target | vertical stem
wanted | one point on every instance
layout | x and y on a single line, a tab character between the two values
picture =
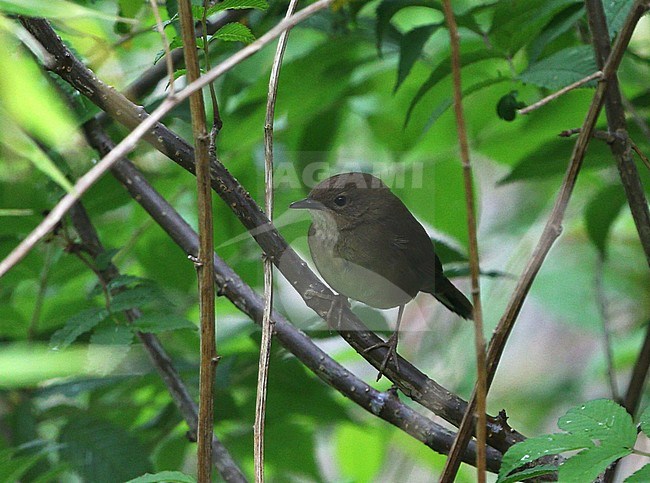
479	340
205	267
267	322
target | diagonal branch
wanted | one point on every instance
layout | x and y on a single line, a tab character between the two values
409	379
552	229
383	405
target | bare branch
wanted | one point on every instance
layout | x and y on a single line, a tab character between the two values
267	322
453	461
204	266
542	102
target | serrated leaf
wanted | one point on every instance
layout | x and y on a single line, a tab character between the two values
137	297
600	214
616	12
562	68
589	463
640	476
166	476
156	323
529	473
238	5
644	421
410	49
603	420
76	325
235	32
443	69
534	448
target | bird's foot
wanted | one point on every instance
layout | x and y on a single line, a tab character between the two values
335	312
391	353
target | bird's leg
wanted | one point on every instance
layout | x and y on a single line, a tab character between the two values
390	344
337	302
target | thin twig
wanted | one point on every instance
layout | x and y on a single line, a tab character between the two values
204	266
267	322
601	299
551	231
216	117
129	142
479	340
598	75
168	55
640	153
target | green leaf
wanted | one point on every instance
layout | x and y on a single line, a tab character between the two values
105	258
166	476
561	23
589	463
238	5
57	9
101	451
410	49
533	448
551	159
601	212
15	464
114	339
387	10
15	140
156	323
562	68
443	69
616	12
235	32
76	325
441	108
533	472
120	335
640	476
137	297
518	22
644	420
603	420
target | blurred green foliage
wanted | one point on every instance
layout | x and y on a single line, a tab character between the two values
365	87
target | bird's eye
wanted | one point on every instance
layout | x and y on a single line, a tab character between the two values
340	200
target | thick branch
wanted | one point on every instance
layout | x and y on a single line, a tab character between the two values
384	405
409	379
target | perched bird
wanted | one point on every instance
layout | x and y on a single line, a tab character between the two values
369	247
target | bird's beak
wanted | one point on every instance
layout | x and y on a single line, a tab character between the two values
306	204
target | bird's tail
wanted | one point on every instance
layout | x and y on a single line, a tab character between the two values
452	298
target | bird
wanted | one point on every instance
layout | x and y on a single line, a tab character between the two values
369	247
